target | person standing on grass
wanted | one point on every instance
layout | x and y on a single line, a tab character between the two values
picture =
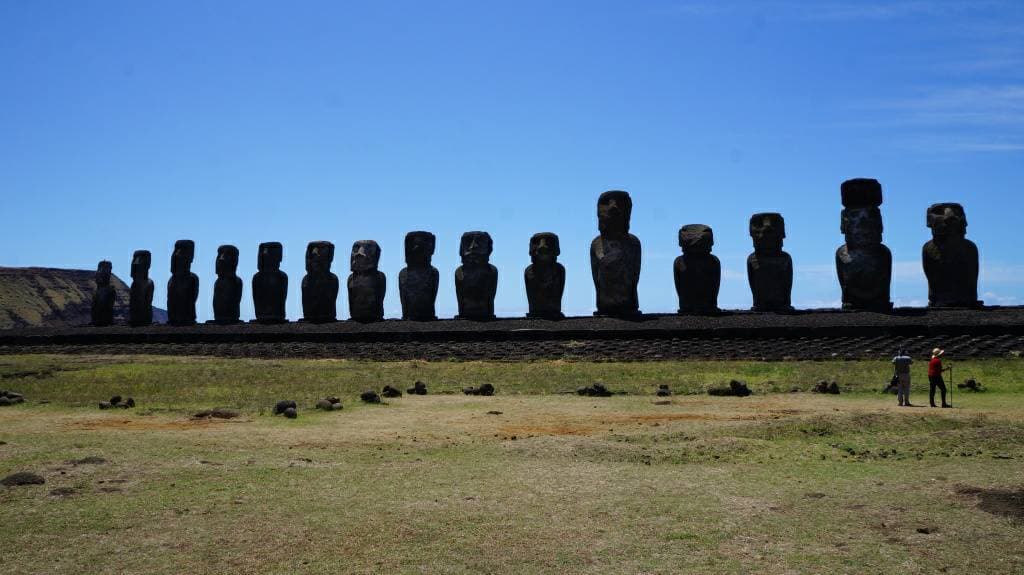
902	363
935	377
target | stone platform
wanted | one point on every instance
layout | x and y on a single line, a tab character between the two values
811	334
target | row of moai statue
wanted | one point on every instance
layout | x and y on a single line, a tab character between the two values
863	265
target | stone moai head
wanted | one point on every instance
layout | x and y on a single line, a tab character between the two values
696	239
270	256
227	261
319	256
861	219
103	271
141	260
768	230
181	259
947	220
365	256
419	248
544	248
476	247
614	209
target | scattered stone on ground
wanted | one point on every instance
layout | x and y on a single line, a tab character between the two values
926	530
218	413
485	389
971	385
22	478
663	390
291	413
595	390
369	396
418	388
494	412
329	404
284	404
11	398
90	460
826	386
117	401
389	391
735	388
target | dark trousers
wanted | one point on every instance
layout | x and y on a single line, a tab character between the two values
933	382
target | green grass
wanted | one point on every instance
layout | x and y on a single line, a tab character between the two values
774	483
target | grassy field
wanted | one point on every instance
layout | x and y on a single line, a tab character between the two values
780	482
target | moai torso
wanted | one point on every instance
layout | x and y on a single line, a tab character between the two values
476	280
104	296
270	284
863	263
183	287
545	278
615	257
697	272
320	286
140	296
418	281
227	290
950	260
366	284
769	269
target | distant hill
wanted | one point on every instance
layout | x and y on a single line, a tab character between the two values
32	297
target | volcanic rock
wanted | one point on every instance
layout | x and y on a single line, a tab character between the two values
22	478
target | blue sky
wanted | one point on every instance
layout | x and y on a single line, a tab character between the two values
128	125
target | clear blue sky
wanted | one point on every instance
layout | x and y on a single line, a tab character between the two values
127	125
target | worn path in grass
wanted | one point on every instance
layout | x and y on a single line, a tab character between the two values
773	483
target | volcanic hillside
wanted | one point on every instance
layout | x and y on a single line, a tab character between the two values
54	297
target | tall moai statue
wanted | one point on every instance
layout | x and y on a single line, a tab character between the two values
697	272
545	277
183	287
366	283
418	281
863	263
227	290
104	296
476	280
950	259
615	257
270	284
769	269
140	296
320	286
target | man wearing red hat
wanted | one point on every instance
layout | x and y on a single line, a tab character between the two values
935	377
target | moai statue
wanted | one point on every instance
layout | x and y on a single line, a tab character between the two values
476	280
697	272
615	257
270	284
950	259
140	297
417	282
769	269
863	263
320	286
183	287
104	296
545	278
366	284
227	290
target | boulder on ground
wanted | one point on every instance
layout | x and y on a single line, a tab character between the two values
291	413
663	391
329	404
389	391
280	406
594	390
418	388
6	401
369	396
825	386
736	388
485	389
11	398
105	405
22	478
971	385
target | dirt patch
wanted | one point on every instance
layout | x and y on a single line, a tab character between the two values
532	430
1002	502
143	425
